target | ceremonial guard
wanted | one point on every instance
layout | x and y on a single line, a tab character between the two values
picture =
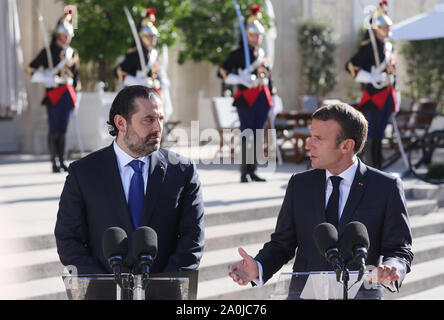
252	98
144	65
374	67
60	77
141	65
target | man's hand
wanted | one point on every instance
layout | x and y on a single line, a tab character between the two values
387	274
245	270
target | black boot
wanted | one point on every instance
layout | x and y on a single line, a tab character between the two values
252	172
61	151
55	168
253	167
52	147
244	166
244	174
377	154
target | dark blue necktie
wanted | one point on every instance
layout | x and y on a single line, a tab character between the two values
136	193
332	211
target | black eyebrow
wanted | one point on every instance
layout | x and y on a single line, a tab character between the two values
151	116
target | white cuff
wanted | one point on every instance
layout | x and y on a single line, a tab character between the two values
232	79
259	281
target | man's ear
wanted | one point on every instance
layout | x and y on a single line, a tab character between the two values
120	123
348	145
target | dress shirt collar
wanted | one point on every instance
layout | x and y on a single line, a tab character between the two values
348	175
124	158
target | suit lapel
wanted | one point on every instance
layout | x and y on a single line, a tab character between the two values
319	196
357	190
115	192
156	175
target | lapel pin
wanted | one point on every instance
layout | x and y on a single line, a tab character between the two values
163	168
361	184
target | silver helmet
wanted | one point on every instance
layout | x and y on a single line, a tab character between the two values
147	25
64	25
254	25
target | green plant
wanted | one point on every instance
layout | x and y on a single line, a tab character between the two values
103	32
435	171
317	49
209	29
425	70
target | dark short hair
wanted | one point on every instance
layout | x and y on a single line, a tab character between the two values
352	122
123	104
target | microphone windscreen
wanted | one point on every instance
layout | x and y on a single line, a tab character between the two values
145	242
355	234
325	236
114	242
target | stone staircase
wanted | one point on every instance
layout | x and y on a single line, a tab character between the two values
250	231
229	225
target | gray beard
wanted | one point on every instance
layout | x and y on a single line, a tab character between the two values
139	146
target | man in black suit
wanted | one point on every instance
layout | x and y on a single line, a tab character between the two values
99	189
367	195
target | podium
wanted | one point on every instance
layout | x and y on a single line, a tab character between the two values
161	286
323	285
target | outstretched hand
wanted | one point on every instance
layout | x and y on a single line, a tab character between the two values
387	274
245	270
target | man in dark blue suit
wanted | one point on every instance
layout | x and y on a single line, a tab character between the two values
367	195
99	193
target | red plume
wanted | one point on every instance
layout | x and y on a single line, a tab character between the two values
150	11
383	2
255	9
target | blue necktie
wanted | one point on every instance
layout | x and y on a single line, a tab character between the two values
136	193
332	211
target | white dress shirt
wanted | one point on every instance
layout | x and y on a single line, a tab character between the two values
125	170
344	187
344	190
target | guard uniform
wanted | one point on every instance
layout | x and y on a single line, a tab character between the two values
60	95
252	97
377	76
130	71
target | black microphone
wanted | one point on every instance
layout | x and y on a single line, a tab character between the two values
115	249
357	243
326	239
145	249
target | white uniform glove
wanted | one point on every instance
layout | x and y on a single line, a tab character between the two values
44	77
243	79
135	81
378	80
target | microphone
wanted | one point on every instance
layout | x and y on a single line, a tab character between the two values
115	249
145	249
357	243
326	239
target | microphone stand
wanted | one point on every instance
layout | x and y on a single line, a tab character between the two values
345	279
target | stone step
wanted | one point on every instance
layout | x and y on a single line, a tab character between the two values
436	293
428	224
421	207
429	252
421	191
220	241
246	222
214	266
243	212
231	231
33	289
215	263
428	248
423	276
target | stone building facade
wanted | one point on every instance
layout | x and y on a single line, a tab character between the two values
193	85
